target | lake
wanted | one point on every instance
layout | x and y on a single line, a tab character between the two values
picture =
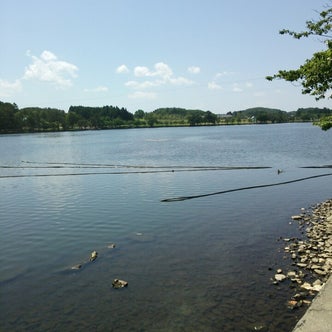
201	264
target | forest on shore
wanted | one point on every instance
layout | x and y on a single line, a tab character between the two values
36	119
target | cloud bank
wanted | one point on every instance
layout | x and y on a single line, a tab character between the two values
48	68
145	78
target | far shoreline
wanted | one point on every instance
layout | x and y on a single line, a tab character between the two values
38	131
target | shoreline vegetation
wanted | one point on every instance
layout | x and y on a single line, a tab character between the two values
36	119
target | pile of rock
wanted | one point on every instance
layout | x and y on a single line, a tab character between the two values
312	255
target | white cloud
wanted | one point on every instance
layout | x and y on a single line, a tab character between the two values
48	68
249	85
123	69
236	88
97	89
132	84
143	85
9	88
143	95
214	86
162	70
162	73
194	70
223	74
48	56
181	81
141	71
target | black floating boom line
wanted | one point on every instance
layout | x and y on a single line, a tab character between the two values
142	171
77	174
322	166
183	198
91	165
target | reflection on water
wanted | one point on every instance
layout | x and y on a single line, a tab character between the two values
197	265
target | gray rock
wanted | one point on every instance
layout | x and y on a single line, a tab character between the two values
93	256
117	283
297	217
280	277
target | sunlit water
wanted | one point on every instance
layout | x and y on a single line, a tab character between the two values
203	264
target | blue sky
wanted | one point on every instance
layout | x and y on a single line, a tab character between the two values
145	54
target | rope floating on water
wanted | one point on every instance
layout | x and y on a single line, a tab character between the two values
131	169
89	165
183	198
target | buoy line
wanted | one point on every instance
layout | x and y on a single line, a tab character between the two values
131	169
183	198
124	172
97	165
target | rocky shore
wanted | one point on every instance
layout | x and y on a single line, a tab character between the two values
311	255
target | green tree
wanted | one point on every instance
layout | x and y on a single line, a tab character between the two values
325	123
315	75
8	119
151	119
194	119
139	114
209	117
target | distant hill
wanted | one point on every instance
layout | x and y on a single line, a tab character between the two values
192	117
176	112
263	115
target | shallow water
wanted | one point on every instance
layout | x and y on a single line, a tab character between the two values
195	265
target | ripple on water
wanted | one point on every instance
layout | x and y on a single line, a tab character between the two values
198	265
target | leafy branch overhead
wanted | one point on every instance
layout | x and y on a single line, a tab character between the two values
315	75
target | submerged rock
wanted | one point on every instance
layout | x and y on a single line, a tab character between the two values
93	256
76	267
280	277
118	283
293	304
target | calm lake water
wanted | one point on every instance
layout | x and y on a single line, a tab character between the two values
202	264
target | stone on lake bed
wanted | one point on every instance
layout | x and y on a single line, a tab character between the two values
76	267
317	282
297	217
280	277
314	267
117	283
93	256
291	274
317	288
320	272
306	286
292	304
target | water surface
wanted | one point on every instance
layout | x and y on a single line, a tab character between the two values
195	265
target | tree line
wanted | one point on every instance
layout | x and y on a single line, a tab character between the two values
270	115
36	119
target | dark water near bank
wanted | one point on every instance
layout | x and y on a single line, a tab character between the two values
195	265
